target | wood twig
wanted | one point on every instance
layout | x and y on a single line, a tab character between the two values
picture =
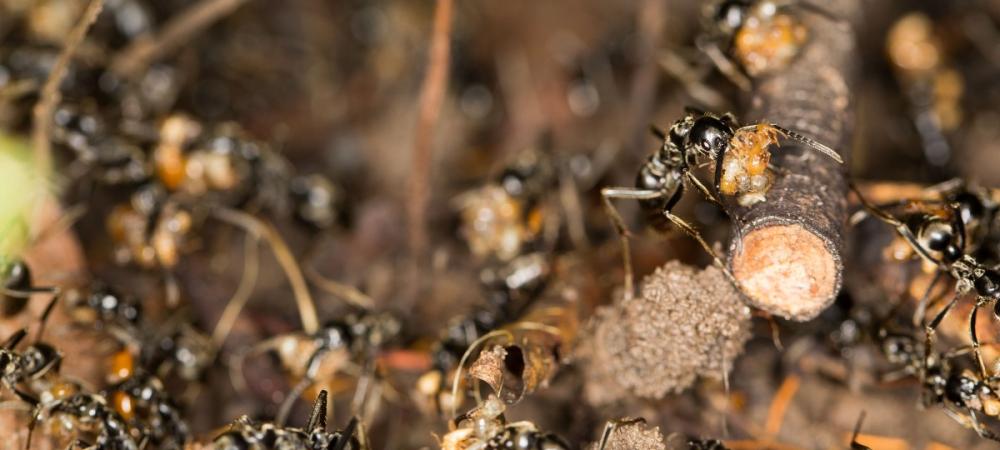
787	253
50	95
143	51
431	97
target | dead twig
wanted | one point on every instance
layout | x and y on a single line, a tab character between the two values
144	51
51	96
787	250
431	97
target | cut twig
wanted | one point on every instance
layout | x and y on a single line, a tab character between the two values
787	250
431	97
145	50
51	96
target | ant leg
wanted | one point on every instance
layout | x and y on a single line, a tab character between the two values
919	314
346	435
981	430
616	219
855	445
612	425
901	228
44	319
929	330
722	62
258	227
317	418
237	361
312	367
975	342
286	405
14	339
704	190
691	231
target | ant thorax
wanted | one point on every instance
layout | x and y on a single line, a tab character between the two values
745	166
767	40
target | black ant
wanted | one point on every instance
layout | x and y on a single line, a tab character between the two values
143	403
244	433
510	289
699	138
318	358
754	37
936	231
509	216
34	362
85	413
962	393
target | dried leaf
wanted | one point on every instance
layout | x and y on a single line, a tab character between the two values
489	367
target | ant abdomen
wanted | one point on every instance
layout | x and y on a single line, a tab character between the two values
655	176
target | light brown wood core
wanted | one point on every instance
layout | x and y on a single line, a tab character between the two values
787	271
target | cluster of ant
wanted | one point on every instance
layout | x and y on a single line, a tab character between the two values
177	174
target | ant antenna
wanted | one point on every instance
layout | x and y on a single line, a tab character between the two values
658	132
317	418
810	142
15	339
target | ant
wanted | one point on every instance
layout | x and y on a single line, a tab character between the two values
750	38
506	217
34	363
143	403
317	358
484	427
244	433
936	231
962	393
701	138
509	289
85	413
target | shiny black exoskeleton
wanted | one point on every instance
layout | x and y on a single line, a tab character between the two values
517	438
316	202
151	410
245	434
90	413
38	359
965	394
103	306
16	284
697	137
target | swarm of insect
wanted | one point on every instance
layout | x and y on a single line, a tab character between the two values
936	232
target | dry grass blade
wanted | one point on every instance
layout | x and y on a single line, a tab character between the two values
50	96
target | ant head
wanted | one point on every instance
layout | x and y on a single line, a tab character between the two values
316	201
942	238
988	285
709	136
729	15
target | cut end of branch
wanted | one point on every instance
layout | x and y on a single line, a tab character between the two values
787	270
